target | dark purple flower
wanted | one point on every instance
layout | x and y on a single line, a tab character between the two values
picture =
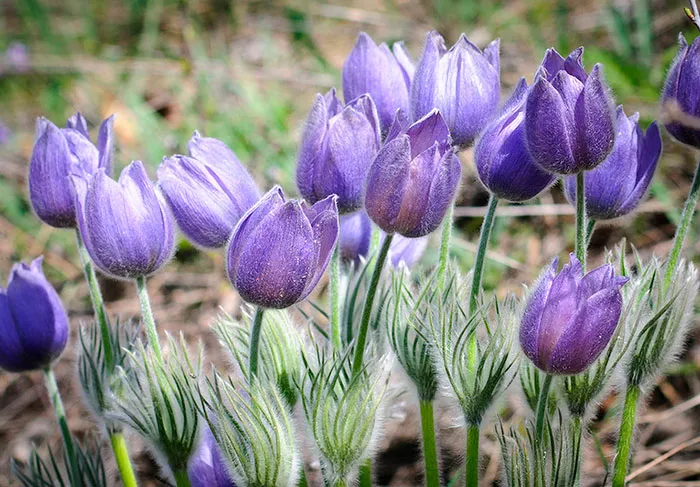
126	226
569	318
59	153
413	180
374	70
569	115
338	146
209	194
616	186
355	236
280	249
33	323
206	466
502	160
682	87
463	83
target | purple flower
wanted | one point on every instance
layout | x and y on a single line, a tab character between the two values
682	87
502	160
280	249
413	180
126	226
569	318
207	194
569	115
463	83
374	70
33	323
616	186
338	146
355	236
206	465
59	153
407	251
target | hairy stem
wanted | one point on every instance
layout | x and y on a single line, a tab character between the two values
148	320
181	478
121	453
445	244
484	237
335	331
624	442
57	403
430	454
589	231
472	467
255	343
581	228
366	473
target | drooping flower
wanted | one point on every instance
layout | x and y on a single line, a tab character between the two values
126	226
209	194
206	466
374	70
280	249
682	88
338	146
616	186
463	83
569	318
33	324
502	160
569	115
413	180
59	153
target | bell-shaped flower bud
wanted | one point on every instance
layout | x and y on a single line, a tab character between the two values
680	93
463	83
569	318
207	467
280	249
413	180
207	196
502	160
569	115
615	187
33	324
58	154
338	146
126	226
374	70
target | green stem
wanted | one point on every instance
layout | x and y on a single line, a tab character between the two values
576	441
581	218
181	479
303	481
335	332
149	321
97	301
445	244
430	454
542	409
589	231
121	453
682	230
255	343
57	402
484	237
366	473
624	442
472	467
367	310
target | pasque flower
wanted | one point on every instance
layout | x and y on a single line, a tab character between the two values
569	115
502	160
33	323
206	466
374	70
207	193
57	154
615	187
126	226
463	83
280	249
682	88
413	180
338	146
569	318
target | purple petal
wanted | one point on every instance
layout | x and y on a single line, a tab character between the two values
13	357
649	153
552	63
404	60
84	155
311	147
354	236
427	131
492	54
78	122
532	317
325	236
105	143
574	65
387	181
424	80
407	251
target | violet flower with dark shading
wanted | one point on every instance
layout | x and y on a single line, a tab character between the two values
616	186
355	236
33	324
206	466
682	88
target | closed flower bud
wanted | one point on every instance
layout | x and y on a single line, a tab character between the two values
463	83
125	225
207	196
206	467
569	115
374	70
338	146
569	318
413	180
59	153
280	249
33	323
501	156
355	236
682	89
616	186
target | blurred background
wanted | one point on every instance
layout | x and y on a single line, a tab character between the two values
246	72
